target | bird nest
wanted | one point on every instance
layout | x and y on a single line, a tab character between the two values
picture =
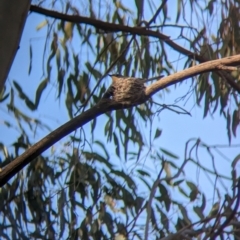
129	91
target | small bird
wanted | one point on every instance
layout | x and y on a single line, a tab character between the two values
117	77
127	90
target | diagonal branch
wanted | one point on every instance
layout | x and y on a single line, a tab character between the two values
106	105
213	65
30	154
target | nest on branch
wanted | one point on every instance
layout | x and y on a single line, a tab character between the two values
127	91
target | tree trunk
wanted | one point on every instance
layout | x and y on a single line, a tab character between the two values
12	19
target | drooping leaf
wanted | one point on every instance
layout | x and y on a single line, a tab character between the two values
42	86
235	121
41	25
157	133
30	59
169	153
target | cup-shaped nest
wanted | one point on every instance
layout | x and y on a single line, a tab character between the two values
129	91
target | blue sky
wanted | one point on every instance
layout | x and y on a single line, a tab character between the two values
177	129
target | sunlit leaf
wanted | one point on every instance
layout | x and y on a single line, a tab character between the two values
41	25
179	8
215	209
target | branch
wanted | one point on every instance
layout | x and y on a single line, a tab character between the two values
113	27
30	154
192	71
230	217
106	105
141	31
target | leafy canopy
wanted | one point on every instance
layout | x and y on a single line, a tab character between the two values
108	181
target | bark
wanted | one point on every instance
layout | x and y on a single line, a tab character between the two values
13	14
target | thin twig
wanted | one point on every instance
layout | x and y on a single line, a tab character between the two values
230	217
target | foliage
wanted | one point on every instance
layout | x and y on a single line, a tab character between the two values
102	188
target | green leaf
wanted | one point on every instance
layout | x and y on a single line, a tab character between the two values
199	212
103	148
194	190
181	190
235	161
235	121
178	182
60	79
193	195
30	58
146	183
2	99
139	4
228	126
164	196
169	153
117	148
184	214
203	203
210	6
163	190
143	173
157	133
153	218
164	218
139	201
108	130
24	97
214	209
39	91
179	8
206	104
192	186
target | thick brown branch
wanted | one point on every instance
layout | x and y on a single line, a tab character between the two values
113	27
231	216
30	154
102	107
190	72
